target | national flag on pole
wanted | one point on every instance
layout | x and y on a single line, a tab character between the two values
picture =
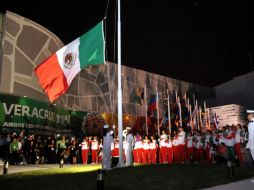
176	113
164	116
138	95
216	120
57	72
207	121
184	103
185	115
194	116
152	105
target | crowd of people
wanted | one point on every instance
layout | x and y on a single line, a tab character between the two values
36	149
182	146
192	146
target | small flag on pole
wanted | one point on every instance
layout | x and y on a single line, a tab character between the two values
216	120
152	106
138	95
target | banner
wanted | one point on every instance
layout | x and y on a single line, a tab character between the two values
35	116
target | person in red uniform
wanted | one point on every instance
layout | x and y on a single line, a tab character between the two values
190	147
198	146
170	150
85	150
153	150
163	148
208	147
175	143
182	145
100	152
237	145
146	147
95	149
115	148
135	153
139	150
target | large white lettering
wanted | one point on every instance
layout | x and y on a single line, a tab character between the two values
25	111
35	113
46	116
40	113
8	111
17	110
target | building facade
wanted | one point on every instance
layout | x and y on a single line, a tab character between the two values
25	44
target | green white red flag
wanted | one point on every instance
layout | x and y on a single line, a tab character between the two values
57	72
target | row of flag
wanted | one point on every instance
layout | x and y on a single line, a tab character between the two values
180	112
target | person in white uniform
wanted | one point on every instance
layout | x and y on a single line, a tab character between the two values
107	141
250	144
129	147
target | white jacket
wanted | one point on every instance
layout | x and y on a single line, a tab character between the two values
250	143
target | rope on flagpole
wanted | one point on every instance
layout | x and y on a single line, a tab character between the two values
106	11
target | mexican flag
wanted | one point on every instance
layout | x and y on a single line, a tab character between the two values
57	72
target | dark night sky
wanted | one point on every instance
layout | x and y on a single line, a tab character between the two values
201	41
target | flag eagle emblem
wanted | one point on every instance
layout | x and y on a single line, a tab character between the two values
69	60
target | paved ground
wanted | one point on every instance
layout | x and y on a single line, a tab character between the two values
24	168
247	184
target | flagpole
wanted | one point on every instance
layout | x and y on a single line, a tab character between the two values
200	117
176	97
205	113
197	115
185	99
194	101
180	112
146	108
191	122
119	92
157	107
169	118
208	117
